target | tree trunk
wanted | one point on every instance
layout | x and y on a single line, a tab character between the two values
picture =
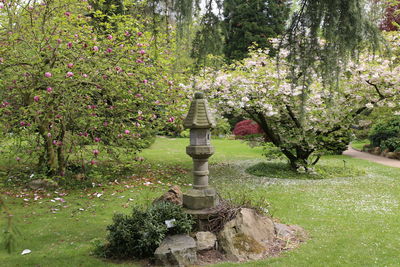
50	155
61	151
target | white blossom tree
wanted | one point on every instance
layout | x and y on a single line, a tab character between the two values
302	122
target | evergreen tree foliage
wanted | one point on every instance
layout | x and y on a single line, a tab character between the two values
252	21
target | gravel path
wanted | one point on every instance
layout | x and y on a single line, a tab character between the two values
363	155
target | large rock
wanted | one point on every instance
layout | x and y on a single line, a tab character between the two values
205	240
174	195
247	237
176	250
391	155
290	232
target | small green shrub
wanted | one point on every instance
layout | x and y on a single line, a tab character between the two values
138	235
385	130
335	143
393	144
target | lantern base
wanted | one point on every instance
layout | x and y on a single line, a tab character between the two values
196	199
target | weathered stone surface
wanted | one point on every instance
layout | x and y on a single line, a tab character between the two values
42	184
247	237
391	155
367	148
376	151
290	232
195	199
174	195
176	250
205	240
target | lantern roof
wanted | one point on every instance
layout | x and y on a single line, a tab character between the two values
199	115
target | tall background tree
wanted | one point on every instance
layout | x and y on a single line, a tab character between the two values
252	21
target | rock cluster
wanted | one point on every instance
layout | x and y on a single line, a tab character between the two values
249	236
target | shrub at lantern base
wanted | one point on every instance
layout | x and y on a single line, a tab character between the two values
138	235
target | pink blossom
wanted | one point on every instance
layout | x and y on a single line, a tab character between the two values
121	45
70	74
127	33
59	41
138	95
67	14
5	104
22	123
95	48
95	152
139	44
130	74
1	60
127	132
1	5
48	74
105	124
170	82
145	81
70	65
97	139
139	34
171	119
118	69
142	52
109	37
69	44
36	98
84	75
48	134
139	60
18	159
76	35
92	162
54	142
49	89
109	50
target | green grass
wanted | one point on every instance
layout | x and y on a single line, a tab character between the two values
352	220
359	144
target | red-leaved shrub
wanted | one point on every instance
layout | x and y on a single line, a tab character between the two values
247	127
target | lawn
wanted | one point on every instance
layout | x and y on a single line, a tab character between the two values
352	220
359	144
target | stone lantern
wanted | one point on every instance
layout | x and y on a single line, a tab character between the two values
200	122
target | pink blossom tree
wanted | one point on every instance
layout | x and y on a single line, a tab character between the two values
68	87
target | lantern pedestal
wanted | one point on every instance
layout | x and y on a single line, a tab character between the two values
199	199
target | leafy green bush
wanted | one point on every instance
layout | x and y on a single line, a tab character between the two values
393	144
389	128
335	143
139	235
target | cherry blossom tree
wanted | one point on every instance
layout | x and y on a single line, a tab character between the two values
302	123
